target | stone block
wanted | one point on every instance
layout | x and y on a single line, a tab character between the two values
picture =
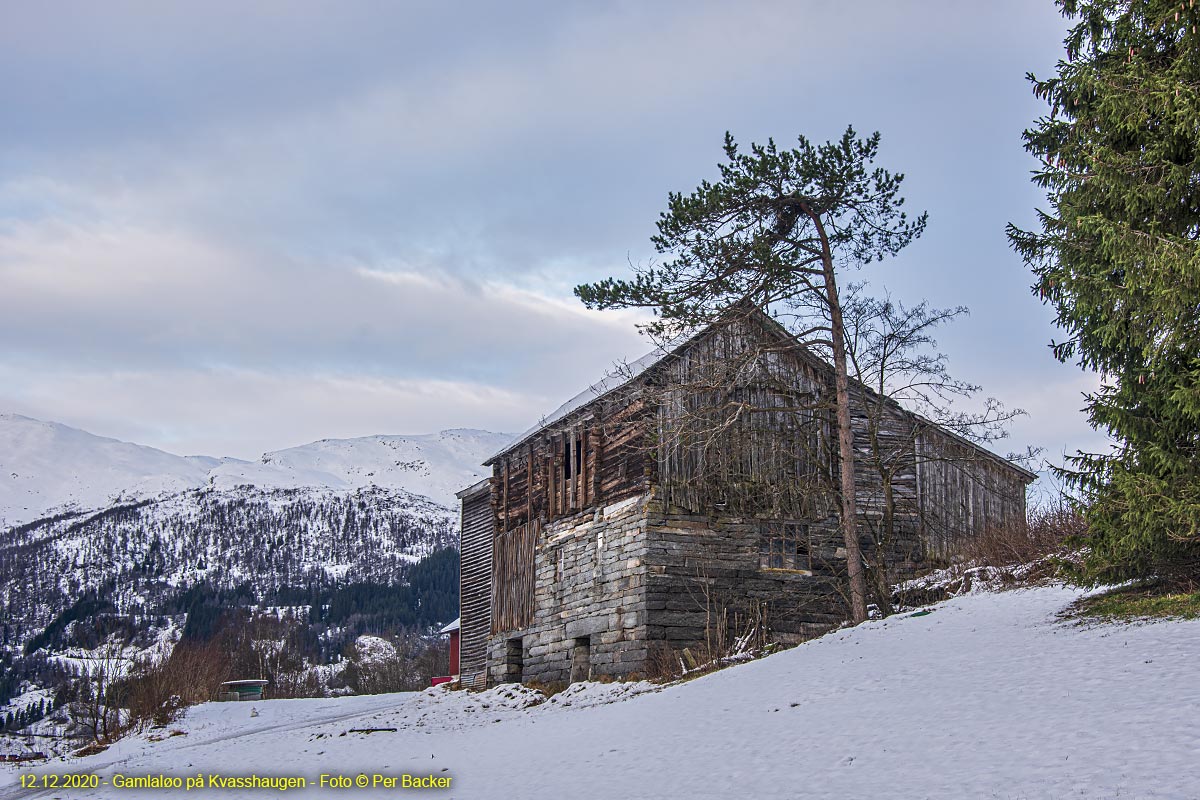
586	627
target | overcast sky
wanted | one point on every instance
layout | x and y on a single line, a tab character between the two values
234	227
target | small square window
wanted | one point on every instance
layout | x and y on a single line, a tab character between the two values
784	545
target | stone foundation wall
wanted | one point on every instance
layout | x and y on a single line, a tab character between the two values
589	601
705	572
611	586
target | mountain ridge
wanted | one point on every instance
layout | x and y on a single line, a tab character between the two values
47	467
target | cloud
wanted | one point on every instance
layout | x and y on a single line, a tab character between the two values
190	344
135	296
243	413
328	207
378	132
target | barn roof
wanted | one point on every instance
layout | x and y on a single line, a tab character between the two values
619	376
624	374
473	489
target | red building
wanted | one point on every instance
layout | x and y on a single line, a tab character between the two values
452	630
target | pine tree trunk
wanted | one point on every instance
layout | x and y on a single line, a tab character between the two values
849	521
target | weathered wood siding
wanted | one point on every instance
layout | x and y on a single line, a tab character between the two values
588	459
512	576
746	426
743	426
475	584
964	491
886	484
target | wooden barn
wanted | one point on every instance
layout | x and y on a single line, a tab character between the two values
689	500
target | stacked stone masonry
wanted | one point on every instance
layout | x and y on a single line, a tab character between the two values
612	583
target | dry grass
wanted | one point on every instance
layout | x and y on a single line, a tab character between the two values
90	750
662	664
1128	603
669	665
549	689
1001	558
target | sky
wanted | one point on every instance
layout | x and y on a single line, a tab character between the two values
227	228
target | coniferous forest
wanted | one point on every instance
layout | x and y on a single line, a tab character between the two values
279	583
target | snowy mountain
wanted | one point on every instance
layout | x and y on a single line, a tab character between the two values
435	465
47	468
100	537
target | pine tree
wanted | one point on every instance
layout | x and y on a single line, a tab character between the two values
1117	257
779	225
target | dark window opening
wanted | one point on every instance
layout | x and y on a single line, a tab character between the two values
581	659
514	656
572	456
784	545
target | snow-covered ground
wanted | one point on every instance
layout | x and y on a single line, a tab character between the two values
988	696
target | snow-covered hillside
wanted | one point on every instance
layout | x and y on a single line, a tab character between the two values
94	530
435	465
989	696
47	467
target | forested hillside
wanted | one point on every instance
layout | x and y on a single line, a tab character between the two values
272	568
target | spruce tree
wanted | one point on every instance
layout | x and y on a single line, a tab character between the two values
778	226
1117	257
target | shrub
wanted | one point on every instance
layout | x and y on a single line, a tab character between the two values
158	690
1047	532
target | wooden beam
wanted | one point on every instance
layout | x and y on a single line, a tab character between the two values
570	439
494	496
505	502
577	453
598	450
562	500
551	486
583	469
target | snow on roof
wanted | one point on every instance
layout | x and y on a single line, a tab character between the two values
620	375
453	626
473	488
